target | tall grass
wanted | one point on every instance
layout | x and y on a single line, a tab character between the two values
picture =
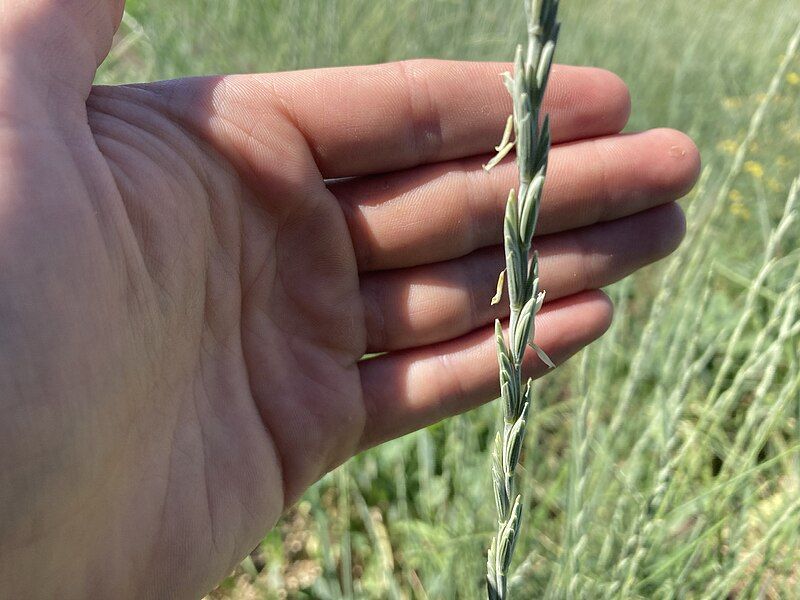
667	458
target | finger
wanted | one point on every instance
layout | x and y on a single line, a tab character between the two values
443	211
372	119
410	389
422	305
381	118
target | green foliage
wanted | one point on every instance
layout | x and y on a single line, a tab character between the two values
666	463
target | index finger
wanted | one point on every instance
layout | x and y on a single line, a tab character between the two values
380	118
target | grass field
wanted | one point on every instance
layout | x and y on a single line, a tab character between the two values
665	461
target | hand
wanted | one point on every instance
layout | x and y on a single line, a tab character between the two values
190	272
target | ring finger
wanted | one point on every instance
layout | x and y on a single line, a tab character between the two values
421	305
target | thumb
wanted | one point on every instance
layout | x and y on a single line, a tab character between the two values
50	50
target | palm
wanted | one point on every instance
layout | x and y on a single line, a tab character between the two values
251	310
190	275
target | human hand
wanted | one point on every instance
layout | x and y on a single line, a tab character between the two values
190	272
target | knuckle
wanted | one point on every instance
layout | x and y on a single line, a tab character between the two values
424	125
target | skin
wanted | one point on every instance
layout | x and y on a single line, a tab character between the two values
185	295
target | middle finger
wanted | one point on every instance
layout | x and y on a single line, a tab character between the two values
443	211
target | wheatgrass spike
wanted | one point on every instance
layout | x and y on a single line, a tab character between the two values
532	143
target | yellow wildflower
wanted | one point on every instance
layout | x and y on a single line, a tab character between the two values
728	146
741	211
782	161
754	168
732	103
774	185
738	209
793	78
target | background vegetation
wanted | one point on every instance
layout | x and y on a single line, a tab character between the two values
665	462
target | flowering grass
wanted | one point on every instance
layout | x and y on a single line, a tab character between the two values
527	87
668	456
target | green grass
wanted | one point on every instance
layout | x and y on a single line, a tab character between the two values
677	474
